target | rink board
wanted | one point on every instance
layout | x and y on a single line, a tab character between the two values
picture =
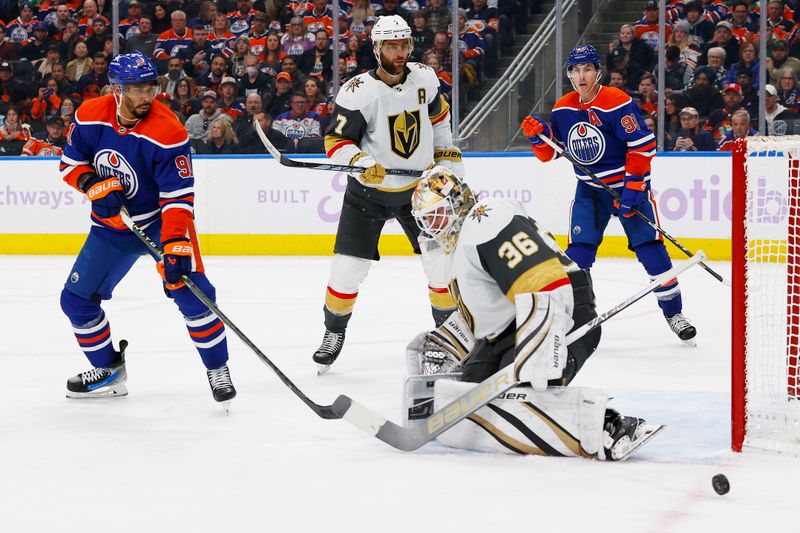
251	205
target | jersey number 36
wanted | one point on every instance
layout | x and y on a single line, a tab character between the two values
520	245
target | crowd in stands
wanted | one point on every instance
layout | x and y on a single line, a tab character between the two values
226	64
713	72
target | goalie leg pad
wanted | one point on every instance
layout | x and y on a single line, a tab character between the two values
561	421
543	319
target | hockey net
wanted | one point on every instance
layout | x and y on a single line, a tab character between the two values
766	294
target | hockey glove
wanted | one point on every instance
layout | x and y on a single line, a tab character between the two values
177	261
533	126
106	194
632	197
374	173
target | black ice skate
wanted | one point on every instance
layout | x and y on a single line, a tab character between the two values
328	351
101	382
682	328
623	435
221	385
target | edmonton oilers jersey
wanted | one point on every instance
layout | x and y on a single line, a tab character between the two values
608	135
151	159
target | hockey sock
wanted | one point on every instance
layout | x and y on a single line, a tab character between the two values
653	256
583	254
442	304
205	329
91	328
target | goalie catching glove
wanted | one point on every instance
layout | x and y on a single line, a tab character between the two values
374	173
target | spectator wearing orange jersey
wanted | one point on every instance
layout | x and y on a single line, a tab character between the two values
47	102
90	13
647	28
320	17
258	34
48	142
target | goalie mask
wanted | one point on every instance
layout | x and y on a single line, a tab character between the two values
439	204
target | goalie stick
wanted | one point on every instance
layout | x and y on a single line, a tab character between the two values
412	438
285	161
324	411
560	150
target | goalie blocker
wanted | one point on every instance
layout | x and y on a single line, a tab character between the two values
519	295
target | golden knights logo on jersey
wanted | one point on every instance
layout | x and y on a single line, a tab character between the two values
404	132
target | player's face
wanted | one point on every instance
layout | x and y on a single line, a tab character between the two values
138	98
434	221
394	55
585	78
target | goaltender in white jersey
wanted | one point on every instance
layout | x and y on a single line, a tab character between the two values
392	117
518	296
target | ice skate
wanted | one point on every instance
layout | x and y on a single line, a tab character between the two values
101	382
221	385
682	328
623	435
328	351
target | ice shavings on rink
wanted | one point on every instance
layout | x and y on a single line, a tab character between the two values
166	458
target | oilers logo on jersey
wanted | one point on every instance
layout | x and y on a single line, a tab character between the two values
111	163
586	143
404	128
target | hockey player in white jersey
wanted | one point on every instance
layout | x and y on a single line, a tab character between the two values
390	117
518	296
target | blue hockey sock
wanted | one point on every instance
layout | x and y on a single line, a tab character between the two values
205	329
91	328
653	256
583	254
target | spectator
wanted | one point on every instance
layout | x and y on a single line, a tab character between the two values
630	53
69	38
788	92
214	77
90	84
67	111
172	40
8	85
129	27
254	81
352	57
48	142
220	138
740	128
692	138
196	56
647	88
242	17
161	19
59	74
441	47
143	40
616	78
297	40
315	93
52	57
437	16
672	122
174	73
420	34
647	28
780	59
221	36
719	122
90	14
244	122
650	122
241	49
776	114
33	51
59	22
289	66
689	52
703	95
197	124
205	17
392	7
47	102
749	95
742	27
12	129
317	62
228	103
445	77
280	100
271	59
182	100
258	34
251	143
298	123
678	75
716	62
320	17
748	60
96	41
780	28
493	26
701	29
723	38
471	46
20	29
362	12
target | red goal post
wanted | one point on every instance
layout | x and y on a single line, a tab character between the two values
765	213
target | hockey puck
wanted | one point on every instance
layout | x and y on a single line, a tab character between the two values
721	484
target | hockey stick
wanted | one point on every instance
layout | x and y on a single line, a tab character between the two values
324	411
285	161
616	196
409	439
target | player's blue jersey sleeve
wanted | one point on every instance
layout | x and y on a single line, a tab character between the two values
174	177
629	127
76	158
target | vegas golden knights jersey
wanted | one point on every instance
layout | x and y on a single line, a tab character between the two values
400	126
500	253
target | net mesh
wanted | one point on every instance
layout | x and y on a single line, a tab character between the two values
772	287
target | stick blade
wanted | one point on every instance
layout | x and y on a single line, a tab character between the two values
265	141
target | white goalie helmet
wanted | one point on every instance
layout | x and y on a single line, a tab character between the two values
439	205
388	28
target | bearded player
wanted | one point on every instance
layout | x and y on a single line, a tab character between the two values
603	130
392	117
128	150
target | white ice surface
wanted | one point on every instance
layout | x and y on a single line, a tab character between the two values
166	458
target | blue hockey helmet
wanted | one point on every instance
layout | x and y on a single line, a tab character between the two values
132	68
583	54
